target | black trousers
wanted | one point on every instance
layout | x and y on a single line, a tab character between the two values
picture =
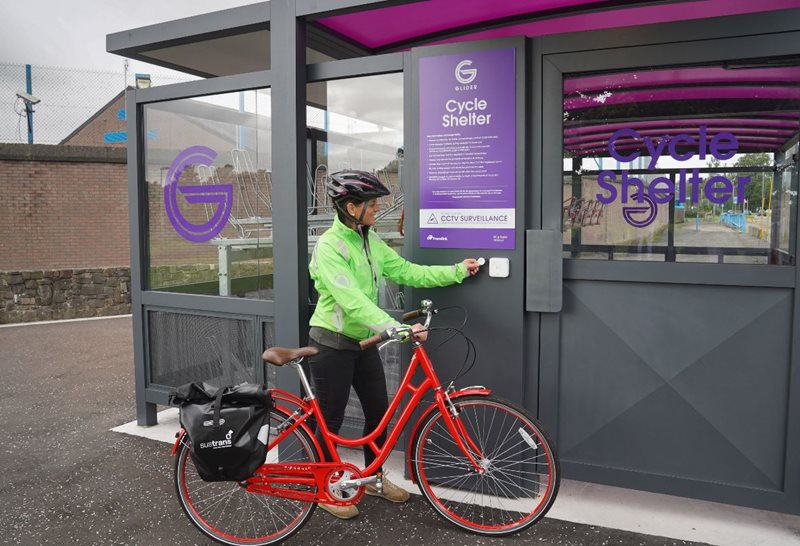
333	372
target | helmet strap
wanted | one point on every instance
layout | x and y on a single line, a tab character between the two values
359	226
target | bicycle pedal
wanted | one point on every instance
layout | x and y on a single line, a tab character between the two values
347	484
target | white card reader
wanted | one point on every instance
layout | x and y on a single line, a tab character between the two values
498	267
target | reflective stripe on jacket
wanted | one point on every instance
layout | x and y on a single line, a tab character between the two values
347	277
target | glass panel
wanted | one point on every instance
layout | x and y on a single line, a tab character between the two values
207	171
682	164
357	123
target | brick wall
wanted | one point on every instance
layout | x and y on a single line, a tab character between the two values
63	207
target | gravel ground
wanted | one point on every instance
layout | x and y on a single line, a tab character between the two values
65	478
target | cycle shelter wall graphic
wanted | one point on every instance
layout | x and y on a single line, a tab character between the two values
467	111
219	196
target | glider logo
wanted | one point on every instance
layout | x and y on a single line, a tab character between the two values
219	196
643	213
465	75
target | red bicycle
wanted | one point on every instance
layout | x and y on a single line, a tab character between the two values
483	463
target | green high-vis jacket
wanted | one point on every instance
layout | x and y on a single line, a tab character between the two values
347	277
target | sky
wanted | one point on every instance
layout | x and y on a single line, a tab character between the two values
72	33
72	74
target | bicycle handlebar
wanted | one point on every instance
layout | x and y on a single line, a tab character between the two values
374	340
400	333
411	315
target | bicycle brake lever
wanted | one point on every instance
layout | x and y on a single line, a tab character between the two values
397	335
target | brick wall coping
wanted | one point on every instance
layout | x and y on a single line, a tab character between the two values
48	152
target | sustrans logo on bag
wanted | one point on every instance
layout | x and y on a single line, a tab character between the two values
219	444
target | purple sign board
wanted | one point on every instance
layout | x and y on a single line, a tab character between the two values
467	136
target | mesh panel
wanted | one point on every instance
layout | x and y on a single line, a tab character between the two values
185	348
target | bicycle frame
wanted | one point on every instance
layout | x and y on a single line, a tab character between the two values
316	473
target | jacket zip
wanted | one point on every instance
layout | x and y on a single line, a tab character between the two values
369	261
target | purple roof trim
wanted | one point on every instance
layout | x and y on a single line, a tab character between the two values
739	132
626	17
677	77
673	123
407	21
768	143
626	141
602	152
682	94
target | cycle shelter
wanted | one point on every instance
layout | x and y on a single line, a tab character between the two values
632	187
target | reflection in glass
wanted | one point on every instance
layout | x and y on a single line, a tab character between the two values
357	123
692	164
207	172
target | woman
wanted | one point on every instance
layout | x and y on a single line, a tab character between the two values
346	267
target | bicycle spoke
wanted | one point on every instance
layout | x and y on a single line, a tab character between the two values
228	512
516	485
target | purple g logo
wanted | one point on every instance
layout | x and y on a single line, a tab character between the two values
643	214
220	195
464	74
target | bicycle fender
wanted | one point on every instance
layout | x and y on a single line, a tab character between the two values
178	440
468	391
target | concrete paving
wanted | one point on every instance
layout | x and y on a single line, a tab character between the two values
713	234
67	478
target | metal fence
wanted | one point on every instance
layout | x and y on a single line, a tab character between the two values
69	96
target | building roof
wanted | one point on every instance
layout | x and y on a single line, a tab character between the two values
94	116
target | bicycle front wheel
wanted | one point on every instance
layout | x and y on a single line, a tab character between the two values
228	513
519	476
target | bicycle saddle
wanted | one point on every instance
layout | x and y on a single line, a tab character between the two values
281	355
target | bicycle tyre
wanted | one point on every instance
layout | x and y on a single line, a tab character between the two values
228	514
520	483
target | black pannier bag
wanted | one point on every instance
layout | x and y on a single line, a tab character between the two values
228	427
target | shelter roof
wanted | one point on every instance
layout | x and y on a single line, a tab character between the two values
758	102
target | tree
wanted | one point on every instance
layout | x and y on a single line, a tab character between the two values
758	188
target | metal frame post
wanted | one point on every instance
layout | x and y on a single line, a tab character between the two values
28	105
290	253
137	207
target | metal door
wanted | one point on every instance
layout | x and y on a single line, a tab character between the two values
671	365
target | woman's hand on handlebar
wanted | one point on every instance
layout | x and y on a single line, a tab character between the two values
419	332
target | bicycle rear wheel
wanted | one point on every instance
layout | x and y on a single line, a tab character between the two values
521	471
228	513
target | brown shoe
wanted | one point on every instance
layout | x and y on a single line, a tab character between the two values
341	512
391	492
